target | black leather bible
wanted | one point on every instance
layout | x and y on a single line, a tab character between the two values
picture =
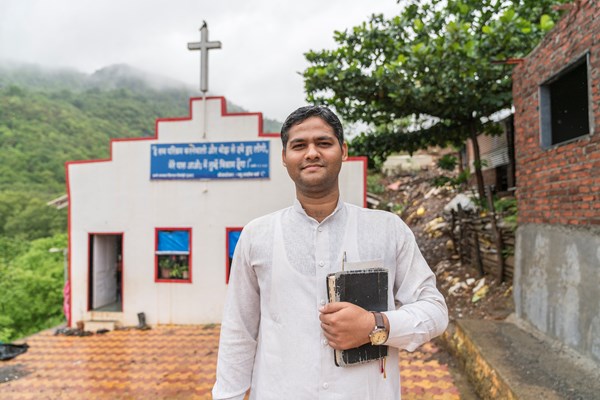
367	288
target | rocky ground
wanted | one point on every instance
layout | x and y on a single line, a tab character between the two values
469	296
421	205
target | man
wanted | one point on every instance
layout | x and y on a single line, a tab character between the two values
278	331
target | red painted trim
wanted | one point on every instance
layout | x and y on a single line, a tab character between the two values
365	162
90	234
156	272
122	271
227	266
69	203
88	267
224	113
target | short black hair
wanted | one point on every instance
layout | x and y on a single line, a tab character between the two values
303	113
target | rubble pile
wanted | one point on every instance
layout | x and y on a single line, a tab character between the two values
421	205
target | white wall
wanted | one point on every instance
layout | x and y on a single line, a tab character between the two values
117	196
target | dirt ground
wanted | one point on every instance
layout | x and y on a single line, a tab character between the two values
419	203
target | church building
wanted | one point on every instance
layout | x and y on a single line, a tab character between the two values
152	228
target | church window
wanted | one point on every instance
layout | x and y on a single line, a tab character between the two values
173	257
232	236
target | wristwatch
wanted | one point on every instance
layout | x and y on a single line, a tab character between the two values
379	334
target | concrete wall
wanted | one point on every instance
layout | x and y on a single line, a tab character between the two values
557	284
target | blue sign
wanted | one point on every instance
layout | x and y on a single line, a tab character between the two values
215	160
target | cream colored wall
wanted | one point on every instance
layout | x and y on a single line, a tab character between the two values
117	196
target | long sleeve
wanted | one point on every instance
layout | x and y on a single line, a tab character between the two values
239	328
421	312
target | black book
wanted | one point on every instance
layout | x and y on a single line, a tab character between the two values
367	288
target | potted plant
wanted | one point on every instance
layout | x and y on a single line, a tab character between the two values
177	272
164	266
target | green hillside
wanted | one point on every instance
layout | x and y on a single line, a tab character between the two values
48	117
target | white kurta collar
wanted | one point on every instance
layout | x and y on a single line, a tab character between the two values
299	209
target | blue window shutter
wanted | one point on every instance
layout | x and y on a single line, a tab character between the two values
233	238
173	241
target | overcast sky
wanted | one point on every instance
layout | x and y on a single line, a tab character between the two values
263	41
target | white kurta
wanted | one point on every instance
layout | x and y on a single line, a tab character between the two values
271	338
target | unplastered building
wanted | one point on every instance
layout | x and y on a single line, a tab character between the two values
556	92
153	227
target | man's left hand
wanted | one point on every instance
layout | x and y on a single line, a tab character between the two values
346	325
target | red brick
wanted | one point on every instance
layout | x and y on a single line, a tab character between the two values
561	183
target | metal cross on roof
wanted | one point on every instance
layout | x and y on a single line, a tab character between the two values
204	45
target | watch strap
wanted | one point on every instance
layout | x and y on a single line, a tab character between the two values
379	323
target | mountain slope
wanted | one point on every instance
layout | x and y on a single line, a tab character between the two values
48	117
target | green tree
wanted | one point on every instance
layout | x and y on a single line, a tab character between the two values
25	215
428	76
31	287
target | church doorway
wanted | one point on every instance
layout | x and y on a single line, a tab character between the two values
105	272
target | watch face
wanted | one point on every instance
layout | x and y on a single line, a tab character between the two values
379	336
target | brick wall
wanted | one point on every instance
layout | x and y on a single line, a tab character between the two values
561	184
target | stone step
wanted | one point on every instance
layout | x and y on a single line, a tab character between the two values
94	326
104	316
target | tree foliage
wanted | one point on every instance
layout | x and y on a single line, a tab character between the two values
47	119
31	284
40	131
427	76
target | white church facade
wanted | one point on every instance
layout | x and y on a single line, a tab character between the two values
152	228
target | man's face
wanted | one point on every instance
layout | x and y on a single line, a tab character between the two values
313	156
